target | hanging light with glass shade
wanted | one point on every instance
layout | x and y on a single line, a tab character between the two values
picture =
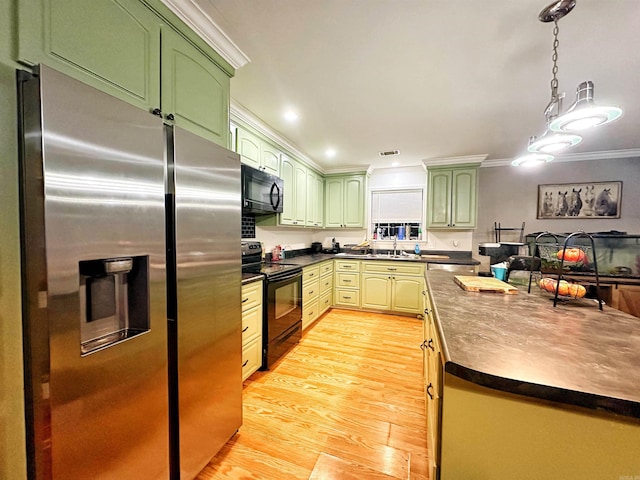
583	114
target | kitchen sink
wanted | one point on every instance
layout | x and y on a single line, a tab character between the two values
407	256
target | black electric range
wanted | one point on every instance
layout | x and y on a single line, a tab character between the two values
252	263
282	302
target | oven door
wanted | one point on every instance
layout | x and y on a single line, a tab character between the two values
262	193
282	327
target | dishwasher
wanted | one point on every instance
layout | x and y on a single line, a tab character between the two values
452	267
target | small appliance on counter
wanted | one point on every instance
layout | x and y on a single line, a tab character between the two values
335	247
316	247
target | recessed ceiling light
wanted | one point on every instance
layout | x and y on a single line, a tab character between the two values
330	152
291	116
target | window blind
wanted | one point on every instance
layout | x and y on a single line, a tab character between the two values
396	206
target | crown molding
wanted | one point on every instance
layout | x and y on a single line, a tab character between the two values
241	114
203	25
575	157
433	162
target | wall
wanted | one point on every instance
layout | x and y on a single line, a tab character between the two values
12	431
509	195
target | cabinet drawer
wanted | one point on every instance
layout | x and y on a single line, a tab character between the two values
325	302
394	267
326	283
309	314
251	295
326	268
251	324
348	265
251	358
349	298
310	273
310	291
350	280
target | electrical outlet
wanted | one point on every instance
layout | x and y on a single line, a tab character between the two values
456	243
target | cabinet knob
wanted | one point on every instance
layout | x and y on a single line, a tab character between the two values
170	117
245	329
157	112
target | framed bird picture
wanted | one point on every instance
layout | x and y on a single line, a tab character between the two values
579	200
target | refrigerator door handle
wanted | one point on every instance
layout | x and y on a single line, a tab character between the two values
274	186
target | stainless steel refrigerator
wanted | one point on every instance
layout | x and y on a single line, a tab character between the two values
131	284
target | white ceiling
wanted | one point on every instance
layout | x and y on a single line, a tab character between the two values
434	79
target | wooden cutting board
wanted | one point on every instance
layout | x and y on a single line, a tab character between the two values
484	284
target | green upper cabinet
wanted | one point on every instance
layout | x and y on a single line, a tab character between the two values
248	147
452	197
132	51
194	90
344	201
315	196
113	45
294	176
257	153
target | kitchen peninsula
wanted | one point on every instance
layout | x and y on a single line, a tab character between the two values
525	390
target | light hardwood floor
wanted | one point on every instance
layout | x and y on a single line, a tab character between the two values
351	392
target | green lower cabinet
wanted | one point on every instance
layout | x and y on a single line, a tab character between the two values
406	294
393	286
376	291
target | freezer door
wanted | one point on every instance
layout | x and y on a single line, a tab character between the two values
93	206
209	318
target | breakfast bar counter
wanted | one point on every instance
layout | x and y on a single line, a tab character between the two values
522	389
572	353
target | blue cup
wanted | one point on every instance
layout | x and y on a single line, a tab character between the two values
400	233
499	272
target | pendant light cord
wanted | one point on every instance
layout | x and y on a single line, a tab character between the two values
554	57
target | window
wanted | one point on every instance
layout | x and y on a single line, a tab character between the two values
397	213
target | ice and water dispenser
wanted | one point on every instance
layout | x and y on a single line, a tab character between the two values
114	301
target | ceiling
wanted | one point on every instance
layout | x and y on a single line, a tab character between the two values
434	79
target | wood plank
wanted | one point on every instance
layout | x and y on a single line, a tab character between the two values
352	389
472	283
329	467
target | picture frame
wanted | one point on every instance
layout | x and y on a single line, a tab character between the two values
579	200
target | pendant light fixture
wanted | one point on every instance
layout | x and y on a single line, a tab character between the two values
583	114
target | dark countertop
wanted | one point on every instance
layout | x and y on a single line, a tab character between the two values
251	277
573	353
456	258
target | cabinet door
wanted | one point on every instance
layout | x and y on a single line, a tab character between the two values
407	294
463	199
270	159
319	201
354	201
312	196
300	206
112	45
287	173
376	291
194	90
439	198
248	146
333	202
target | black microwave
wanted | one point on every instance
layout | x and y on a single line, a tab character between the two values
261	192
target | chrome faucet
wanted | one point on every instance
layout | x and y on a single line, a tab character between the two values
395	245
